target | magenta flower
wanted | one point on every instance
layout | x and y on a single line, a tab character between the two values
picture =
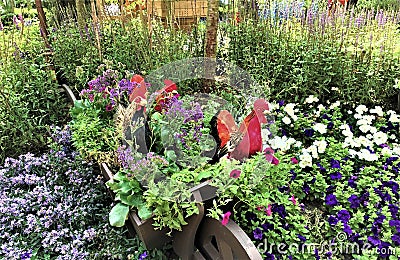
293	200
235	173
294	160
109	107
269	210
225	218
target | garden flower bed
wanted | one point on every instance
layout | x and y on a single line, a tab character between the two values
327	173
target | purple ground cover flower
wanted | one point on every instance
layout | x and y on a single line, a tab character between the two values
332	220
354	201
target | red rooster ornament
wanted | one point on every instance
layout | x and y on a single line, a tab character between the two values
243	141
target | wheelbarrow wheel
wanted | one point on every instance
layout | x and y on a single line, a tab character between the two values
215	241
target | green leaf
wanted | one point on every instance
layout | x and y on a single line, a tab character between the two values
170	154
144	213
118	215
203	175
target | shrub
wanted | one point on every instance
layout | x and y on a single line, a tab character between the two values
30	101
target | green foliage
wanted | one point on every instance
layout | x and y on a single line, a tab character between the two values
345	62
92	134
30	101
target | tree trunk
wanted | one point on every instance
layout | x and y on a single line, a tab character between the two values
42	22
211	43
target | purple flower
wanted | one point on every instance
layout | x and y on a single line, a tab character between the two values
394	210
321	168
302	239
143	256
335	164
332	220
394	223
330	126
293	175
258	234
396	239
317	257
280	209
269	256
281	103
379	220
267	226
343	215
306	188
309	132
354	201
347	229
235	173
374	240
352	183
331	200
335	176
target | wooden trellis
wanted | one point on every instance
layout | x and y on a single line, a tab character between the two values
183	13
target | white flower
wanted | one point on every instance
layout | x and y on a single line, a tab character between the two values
361	109
313	150
352	152
394	118
357	116
336	104
365	154
349	112
273	106
377	110
396	149
305	160
321	145
298	144
289	109
311	99
265	134
362	140
286	120
386	152
320	128
346	130
373	129
364	128
380	138
369	136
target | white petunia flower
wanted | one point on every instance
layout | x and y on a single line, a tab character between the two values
336	104
314	151
361	109
286	120
321	145
365	154
311	99
386	152
377	110
380	138
396	149
373	129
346	130
364	141
364	128
305	160
357	116
265	134
298	144
394	118
320	128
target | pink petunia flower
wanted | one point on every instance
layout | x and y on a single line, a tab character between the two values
269	210
225	218
293	200
275	161
235	174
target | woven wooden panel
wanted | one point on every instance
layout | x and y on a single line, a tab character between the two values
178	9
